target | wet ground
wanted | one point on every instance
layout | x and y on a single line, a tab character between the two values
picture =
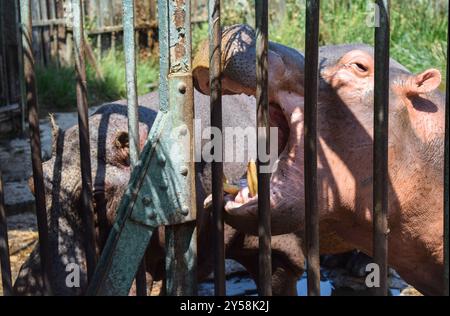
339	279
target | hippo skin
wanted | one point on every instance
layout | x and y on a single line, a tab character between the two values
345	150
110	174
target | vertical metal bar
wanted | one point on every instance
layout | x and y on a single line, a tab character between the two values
35	141
5	264
130	68
181	241
215	74
311	205
446	167
263	144
163	17
83	126
133	114
380	146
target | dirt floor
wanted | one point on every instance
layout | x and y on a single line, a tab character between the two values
22	235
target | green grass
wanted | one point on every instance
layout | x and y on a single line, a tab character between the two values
418	28
56	85
418	41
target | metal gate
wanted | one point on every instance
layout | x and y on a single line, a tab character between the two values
141	209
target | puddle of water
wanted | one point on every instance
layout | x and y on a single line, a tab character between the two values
243	286
326	288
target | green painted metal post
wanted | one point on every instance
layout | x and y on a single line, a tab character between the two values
162	184
380	146
130	68
311	88
129	41
181	241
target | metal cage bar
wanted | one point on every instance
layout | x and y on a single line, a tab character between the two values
446	167
310	108
263	141
181	240
5	263
380	146
215	75
133	113
83	127
35	142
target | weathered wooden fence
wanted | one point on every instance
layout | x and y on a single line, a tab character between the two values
52	38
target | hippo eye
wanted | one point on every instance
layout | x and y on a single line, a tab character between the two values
360	67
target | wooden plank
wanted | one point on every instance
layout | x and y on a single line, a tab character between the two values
53	32
99	26
61	33
4	98
37	33
46	41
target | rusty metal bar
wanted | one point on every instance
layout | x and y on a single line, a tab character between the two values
263	145
133	114
446	167
35	141
83	126
181	241
311	88
380	146
215	74
311	205
5	264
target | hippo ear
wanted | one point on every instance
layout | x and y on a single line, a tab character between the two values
121	145
121	140
238	62
424	82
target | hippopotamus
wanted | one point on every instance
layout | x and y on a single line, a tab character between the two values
109	153
345	150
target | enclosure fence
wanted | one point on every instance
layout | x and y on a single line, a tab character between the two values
150	202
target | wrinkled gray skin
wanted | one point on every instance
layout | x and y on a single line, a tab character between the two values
110	174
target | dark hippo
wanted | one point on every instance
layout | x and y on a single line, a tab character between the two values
345	141
110	174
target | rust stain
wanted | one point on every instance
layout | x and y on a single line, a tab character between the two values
180	48
180	3
179	16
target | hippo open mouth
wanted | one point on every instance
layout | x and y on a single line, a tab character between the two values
286	77
249	192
